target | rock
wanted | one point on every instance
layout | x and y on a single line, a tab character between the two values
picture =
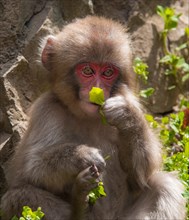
76	8
17	93
118	10
13	25
16	96
51	22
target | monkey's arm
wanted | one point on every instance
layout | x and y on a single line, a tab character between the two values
139	150
45	157
53	167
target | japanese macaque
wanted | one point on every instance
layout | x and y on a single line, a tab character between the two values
61	157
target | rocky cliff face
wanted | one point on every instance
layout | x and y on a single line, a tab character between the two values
23	23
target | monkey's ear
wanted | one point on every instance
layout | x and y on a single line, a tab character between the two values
47	52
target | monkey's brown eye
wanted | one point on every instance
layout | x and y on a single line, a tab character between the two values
87	71
108	73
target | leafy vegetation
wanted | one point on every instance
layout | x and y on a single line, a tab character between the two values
96	193
174	134
141	69
172	60
170	22
28	214
174	128
96	96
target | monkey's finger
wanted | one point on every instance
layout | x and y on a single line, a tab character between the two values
89	174
93	168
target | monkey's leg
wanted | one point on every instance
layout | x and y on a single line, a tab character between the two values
162	200
138	148
27	195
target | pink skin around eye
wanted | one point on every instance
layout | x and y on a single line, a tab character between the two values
96	77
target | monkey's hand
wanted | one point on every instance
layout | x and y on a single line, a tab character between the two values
88	156
120	112
139	153
115	110
85	181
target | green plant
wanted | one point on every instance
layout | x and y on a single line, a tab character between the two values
28	214
173	60
183	102
170	22
141	69
187	32
180	163
96	96
96	193
174	134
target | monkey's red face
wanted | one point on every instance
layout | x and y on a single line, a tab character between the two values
91	75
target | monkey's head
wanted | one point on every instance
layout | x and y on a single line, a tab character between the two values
90	52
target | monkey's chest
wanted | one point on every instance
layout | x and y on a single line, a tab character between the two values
113	176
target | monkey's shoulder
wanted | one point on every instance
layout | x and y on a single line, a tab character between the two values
46	105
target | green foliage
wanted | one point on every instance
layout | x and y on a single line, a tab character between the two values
151	120
146	92
187	32
96	193
28	214
140	68
177	65
174	134
180	163
96	96
170	22
169	17
183	103
173	61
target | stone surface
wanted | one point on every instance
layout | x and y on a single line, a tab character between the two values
17	93
14	17
76	8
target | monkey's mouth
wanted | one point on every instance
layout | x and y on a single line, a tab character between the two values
94	104
90	108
